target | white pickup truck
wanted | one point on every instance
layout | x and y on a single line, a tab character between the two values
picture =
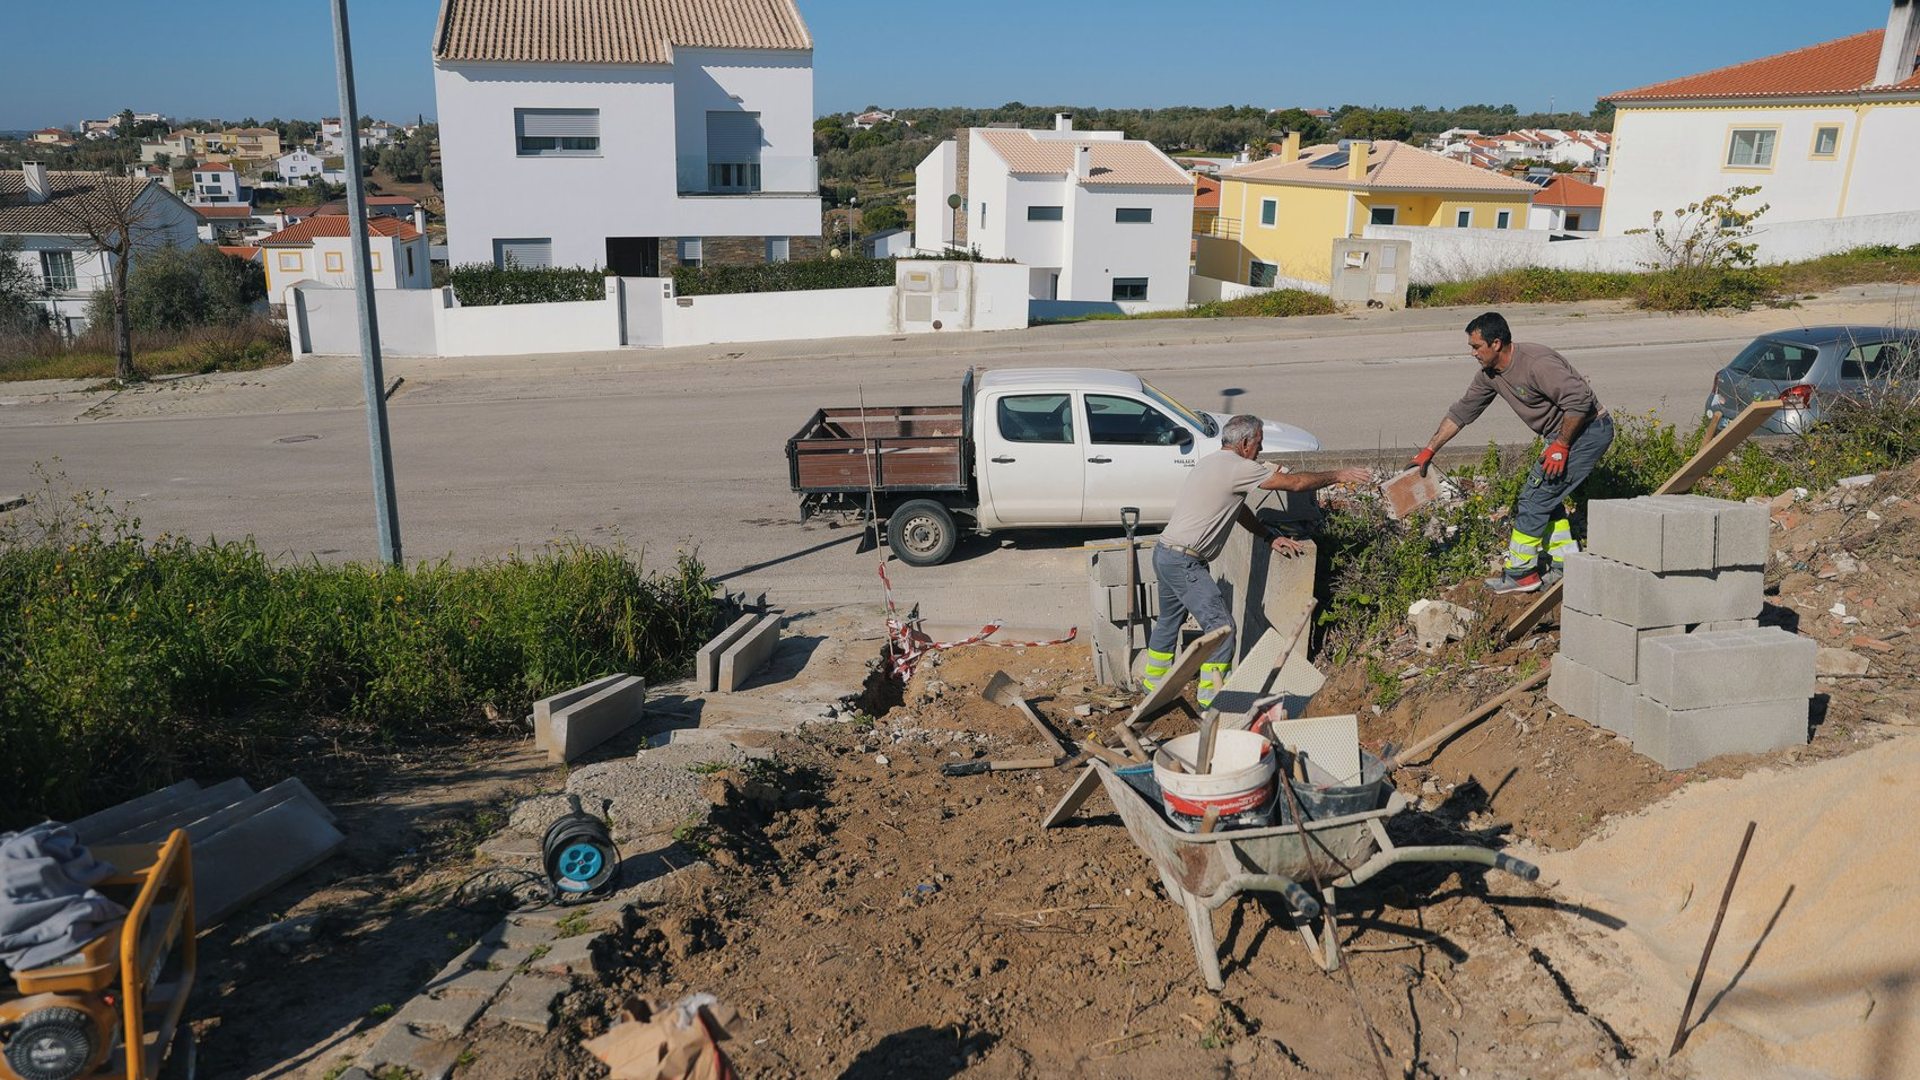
1023	448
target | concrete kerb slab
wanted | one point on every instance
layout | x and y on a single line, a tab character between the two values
706	664
587	723
97	827
256	855
544	709
196	806
749	653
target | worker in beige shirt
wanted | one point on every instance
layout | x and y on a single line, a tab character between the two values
1556	401
1211	501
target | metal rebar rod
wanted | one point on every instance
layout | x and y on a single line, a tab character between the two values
1686	1013
386	519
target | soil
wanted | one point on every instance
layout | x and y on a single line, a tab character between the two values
871	917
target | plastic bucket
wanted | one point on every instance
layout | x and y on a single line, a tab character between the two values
1240	785
1321	798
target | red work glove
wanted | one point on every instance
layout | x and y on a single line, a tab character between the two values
1554	461
1420	460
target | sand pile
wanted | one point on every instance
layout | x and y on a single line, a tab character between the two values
1817	968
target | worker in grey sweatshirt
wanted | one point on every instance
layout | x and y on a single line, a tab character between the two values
1555	401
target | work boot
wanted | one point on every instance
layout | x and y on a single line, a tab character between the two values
1553	575
1527	580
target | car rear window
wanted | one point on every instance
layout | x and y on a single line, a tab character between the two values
1779	360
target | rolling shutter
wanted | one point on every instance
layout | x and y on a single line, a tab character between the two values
733	138
523	253
558	123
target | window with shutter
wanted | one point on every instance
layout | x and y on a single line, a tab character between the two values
525	253
733	151
557	132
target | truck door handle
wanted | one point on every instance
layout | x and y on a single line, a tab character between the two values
1099	460
1003	460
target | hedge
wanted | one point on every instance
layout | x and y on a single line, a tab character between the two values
783	276
485	285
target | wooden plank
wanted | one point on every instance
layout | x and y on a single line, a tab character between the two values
1712	452
1083	788
1185	667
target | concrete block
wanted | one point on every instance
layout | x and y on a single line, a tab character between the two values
1653	536
749	653
527	1002
254	856
1600	700
1409	491
1741	530
1726	667
591	721
706	664
1611	648
1107	563
1258	583
1723	624
544	709
1643	599
1683	738
1115	608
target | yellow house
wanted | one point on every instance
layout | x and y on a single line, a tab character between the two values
1279	216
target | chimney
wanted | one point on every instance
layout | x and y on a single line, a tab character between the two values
1290	147
1082	161
1357	151
37	187
420	219
1063	121
1901	42
1245	155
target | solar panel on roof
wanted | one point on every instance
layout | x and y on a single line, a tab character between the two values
1335	160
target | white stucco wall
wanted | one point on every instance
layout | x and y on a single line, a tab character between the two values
933	180
650	117
1665	158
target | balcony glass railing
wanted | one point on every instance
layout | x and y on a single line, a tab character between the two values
767	176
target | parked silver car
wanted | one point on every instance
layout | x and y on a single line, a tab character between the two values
1813	367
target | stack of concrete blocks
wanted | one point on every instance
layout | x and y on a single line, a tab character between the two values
1660	641
1113	646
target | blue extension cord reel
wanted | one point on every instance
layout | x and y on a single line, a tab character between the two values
578	853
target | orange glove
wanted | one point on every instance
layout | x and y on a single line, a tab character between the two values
1554	461
1421	460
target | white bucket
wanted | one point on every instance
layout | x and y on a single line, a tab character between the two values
1240	784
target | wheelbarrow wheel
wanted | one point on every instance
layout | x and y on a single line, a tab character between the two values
55	1043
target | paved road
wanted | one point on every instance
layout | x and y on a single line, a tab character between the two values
683	448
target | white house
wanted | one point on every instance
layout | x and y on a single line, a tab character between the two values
635	135
52	213
1826	132
332	135
320	250
1567	206
216	183
300	167
1097	217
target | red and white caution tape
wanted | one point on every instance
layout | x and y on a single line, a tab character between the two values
907	644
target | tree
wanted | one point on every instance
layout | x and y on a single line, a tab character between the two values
176	288
20	288
299	132
881	218
120	218
1311	129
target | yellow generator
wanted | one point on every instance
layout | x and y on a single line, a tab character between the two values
117	1008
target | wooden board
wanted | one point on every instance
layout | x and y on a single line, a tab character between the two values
1712	452
1185	667
1083	788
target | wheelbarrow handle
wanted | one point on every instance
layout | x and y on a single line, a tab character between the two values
1298	897
1519	868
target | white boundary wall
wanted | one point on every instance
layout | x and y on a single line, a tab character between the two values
1457	254
928	296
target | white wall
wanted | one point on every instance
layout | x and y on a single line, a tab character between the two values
329	320
647	119
778	316
1205	290
1666	158
934	179
1455	254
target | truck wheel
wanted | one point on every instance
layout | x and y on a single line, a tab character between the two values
921	533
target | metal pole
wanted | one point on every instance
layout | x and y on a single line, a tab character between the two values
386	521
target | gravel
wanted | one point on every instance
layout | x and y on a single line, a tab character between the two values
653	792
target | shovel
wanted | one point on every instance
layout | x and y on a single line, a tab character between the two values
1129	520
1004	692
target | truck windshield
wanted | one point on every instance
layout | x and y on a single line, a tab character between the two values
1203	424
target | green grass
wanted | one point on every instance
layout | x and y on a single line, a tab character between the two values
246	347
133	662
1277	304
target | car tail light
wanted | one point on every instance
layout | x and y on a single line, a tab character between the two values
1798	396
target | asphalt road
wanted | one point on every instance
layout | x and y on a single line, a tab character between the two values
683	449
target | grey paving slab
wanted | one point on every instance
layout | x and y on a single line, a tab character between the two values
517	936
544	709
1727	667
97	827
201	803
480	982
527	1002
1683	738
447	1016
749	654
427	1057
706	664
256	855
569	956
587	723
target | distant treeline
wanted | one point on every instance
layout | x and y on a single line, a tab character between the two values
889	151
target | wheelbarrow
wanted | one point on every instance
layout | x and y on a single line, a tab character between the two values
1202	871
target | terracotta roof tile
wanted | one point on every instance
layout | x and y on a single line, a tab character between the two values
1392	166
1206	192
329	225
1843	66
612	31
240	251
84	196
1114	161
1566	191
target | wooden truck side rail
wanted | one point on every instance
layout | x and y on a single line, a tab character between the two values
892	447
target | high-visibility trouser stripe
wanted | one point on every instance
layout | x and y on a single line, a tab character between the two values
1156	668
1561	543
1523	551
1212	678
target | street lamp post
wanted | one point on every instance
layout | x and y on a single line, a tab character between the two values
853	202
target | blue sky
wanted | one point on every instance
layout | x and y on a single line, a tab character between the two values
275	58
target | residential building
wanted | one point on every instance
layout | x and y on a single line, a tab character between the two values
871	117
53	213
320	250
887	244
1095	216
254	143
1588	149
333	137
400	207
243	252
1828	131
225	222
1567	206
52	137
99	129
1279	217
378	133
1206	199
300	167
217	182
685	125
